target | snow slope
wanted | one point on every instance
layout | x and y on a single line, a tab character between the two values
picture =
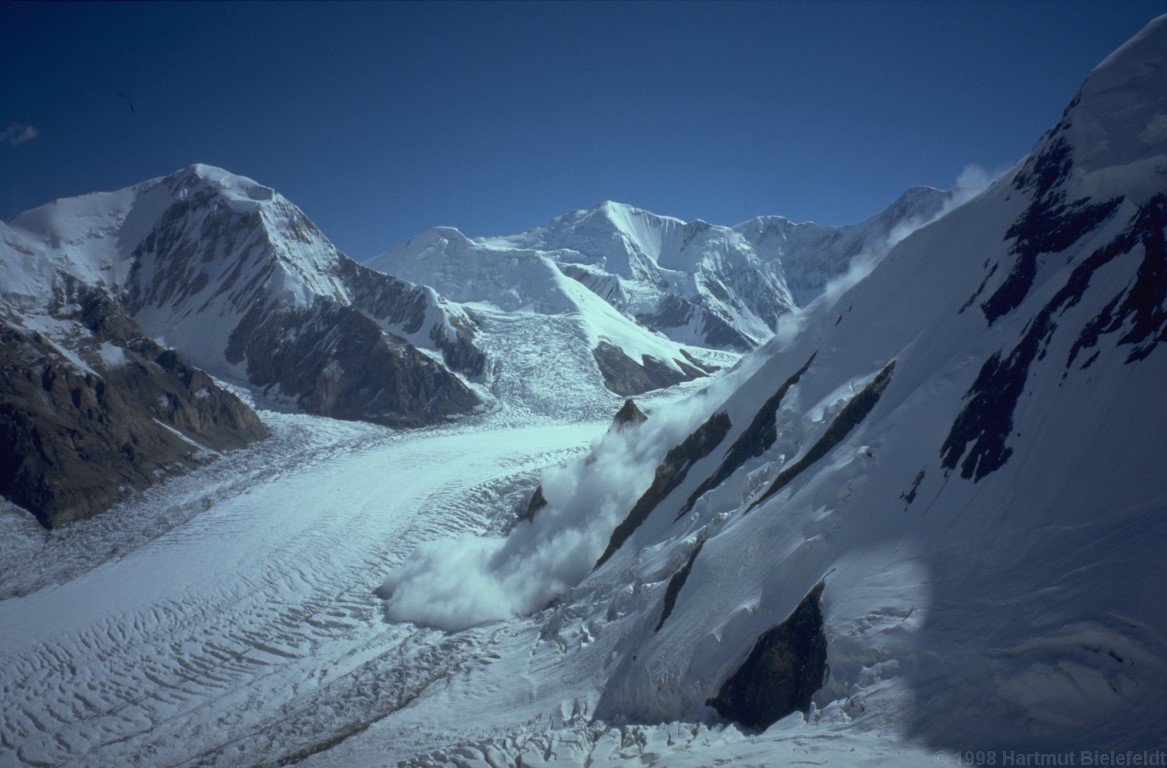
990	531
964	447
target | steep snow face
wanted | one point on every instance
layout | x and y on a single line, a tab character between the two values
222	267
1117	124
965	448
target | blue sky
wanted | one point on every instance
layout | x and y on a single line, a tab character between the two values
382	120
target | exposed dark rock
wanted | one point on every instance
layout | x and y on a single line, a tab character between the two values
337	362
676	583
910	495
784	669
606	286
1141	308
676	312
628	415
459	353
73	442
625	376
986	421
987	417
980	289
707	367
853	413
534	504
754	441
692	229
1049	225
670	474
402	304
673	312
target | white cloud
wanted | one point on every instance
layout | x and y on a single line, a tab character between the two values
461	582
457	583
16	134
971	182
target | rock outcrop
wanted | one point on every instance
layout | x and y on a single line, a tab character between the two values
625	376
784	669
76	435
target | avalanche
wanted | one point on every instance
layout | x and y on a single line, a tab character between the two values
962	447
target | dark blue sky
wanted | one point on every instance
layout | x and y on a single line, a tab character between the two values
382	120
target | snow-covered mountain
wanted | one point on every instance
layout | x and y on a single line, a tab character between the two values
524	300
697	283
105	298
923	524
936	507
805	256
239	280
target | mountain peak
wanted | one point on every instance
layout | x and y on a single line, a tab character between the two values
614	206
1152	36
436	236
608	211
1119	116
919	191
220	181
917	203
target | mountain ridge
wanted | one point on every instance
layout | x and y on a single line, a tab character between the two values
695	282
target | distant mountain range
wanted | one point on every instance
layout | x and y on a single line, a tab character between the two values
215	272
697	283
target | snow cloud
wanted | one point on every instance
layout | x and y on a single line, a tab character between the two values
865	261
457	583
975	177
1156	130
17	133
969	183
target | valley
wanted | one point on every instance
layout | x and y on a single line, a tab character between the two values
258	614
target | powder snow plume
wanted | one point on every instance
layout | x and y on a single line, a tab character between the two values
469	580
